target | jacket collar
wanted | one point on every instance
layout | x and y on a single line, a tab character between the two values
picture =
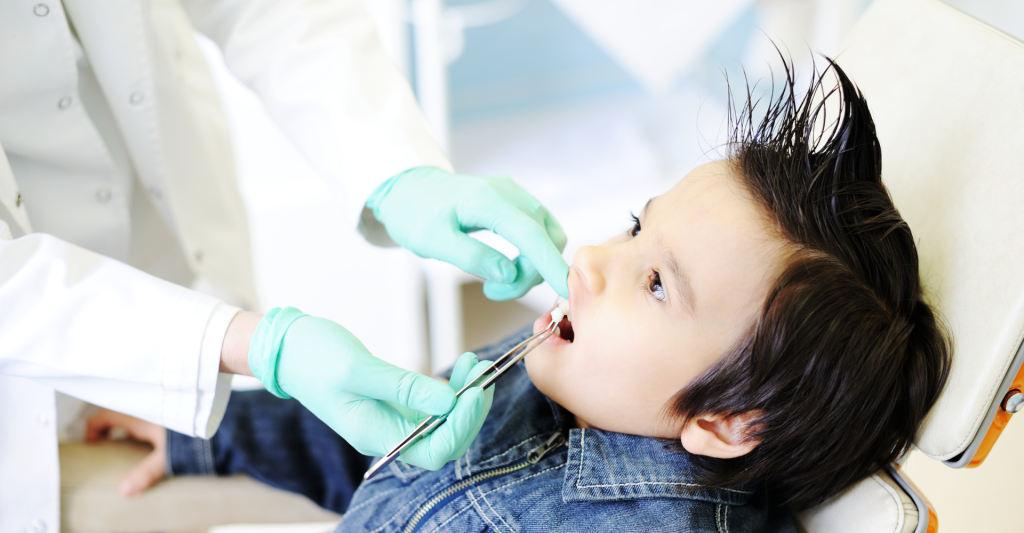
608	466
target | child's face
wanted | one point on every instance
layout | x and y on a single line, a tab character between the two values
651	312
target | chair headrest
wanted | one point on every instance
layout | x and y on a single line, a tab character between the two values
946	95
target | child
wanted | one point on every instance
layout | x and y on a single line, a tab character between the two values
756	343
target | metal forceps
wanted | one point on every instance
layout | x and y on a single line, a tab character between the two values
484	380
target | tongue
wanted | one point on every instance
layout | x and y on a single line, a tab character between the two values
565	330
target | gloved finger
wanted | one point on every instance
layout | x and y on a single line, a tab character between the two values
556	232
560	282
533	242
389	427
488	399
377	379
526	279
436	449
471	256
455	436
145	474
460	371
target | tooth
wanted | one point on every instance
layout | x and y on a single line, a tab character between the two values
563	307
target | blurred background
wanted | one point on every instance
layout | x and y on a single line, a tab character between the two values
594	106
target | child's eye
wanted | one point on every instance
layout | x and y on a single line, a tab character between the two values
636	226
654	285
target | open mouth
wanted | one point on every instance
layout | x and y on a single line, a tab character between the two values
564	333
564	330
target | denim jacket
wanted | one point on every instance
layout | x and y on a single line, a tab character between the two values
528	471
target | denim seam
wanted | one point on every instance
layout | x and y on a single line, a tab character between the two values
583	455
408	504
510	450
718	518
197	454
211	465
697	485
493	510
393	517
380	495
483	514
452	517
483	494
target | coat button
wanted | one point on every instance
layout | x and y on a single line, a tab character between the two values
63	103
38	526
41	10
156	193
136	98
103	195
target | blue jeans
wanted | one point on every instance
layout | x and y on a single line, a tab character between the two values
278	442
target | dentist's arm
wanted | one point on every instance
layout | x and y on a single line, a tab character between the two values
321	364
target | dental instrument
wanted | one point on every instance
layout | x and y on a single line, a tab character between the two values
485	379
560	312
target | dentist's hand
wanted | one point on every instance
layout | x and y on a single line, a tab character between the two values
430	211
362	398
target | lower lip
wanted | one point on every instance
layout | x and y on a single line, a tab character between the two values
554	339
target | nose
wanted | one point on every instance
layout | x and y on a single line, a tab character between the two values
592	264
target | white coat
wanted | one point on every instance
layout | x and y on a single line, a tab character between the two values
115	151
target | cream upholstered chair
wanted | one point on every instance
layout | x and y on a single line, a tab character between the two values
90	502
946	94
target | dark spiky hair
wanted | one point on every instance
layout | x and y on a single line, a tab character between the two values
845	359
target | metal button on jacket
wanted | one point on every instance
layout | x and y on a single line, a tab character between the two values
136	98
41	10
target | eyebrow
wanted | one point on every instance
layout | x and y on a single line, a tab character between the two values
681	281
648	204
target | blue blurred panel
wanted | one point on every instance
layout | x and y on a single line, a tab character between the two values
536	58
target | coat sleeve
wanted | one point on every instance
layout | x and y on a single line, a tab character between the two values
324	77
100	330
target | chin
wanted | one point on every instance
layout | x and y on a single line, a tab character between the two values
540	374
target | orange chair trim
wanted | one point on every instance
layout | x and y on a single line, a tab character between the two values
998	423
933	517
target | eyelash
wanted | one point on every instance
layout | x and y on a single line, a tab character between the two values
654	280
636	226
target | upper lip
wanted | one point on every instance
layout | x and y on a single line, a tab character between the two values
574	294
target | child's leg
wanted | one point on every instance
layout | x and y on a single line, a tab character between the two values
278	442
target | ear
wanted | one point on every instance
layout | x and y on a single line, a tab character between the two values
718	436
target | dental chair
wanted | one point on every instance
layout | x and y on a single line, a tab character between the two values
947	96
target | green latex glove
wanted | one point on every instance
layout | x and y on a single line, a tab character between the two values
358	395
466	368
430	211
